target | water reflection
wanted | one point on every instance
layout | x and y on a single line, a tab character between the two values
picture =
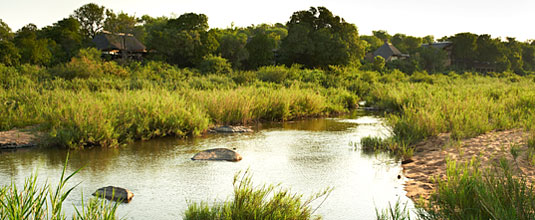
306	156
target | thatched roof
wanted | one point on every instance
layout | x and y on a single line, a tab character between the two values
107	42
438	45
387	50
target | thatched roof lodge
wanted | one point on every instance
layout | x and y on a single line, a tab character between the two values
389	52
119	45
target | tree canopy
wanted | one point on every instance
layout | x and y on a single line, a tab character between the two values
317	38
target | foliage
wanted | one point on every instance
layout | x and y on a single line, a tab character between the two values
232	47
88	63
317	38
258	202
378	63
32	49
260	49
91	18
183	41
66	39
215	65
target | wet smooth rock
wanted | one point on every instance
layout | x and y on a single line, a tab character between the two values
232	129
218	154
114	193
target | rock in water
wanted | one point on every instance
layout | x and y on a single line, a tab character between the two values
232	129
114	193
218	154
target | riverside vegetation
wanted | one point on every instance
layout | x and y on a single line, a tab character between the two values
92	102
49	81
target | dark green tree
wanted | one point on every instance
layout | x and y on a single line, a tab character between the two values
32	49
317	38
182	41
382	34
432	59
9	54
464	49
260	49
91	18
66	39
373	42
232	47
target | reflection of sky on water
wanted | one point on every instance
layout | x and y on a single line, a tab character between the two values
306	156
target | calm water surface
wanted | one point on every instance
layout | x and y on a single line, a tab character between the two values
305	156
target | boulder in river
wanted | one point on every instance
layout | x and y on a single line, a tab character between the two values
232	129
114	193
218	154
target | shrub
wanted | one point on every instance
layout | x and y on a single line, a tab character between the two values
215	65
421	77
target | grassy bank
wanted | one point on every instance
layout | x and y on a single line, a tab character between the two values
473	192
90	102
465	105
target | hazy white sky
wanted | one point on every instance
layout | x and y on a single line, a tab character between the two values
500	18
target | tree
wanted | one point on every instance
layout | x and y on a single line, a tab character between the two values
373	42
260	49
32	49
429	39
464	49
406	44
91	18
66	39
122	23
9	54
432	59
317	38
232	47
382	34
181	41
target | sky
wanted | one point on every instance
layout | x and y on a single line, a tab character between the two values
499	18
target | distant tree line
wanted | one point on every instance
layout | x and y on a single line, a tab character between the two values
469	52
313	38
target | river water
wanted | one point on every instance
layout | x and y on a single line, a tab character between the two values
306	156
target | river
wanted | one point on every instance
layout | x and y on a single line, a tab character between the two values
306	156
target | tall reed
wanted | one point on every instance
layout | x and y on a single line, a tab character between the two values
258	202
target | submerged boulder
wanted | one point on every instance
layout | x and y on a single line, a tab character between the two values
218	154
232	129
114	193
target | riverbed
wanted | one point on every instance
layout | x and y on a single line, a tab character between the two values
306	156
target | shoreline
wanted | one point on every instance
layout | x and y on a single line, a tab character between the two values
429	159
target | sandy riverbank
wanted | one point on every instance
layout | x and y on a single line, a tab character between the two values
430	157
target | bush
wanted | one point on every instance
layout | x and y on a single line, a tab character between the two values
421	77
215	65
87	63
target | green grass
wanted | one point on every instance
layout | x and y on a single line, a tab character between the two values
464	106
397	212
83	104
44	202
471	192
257	202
